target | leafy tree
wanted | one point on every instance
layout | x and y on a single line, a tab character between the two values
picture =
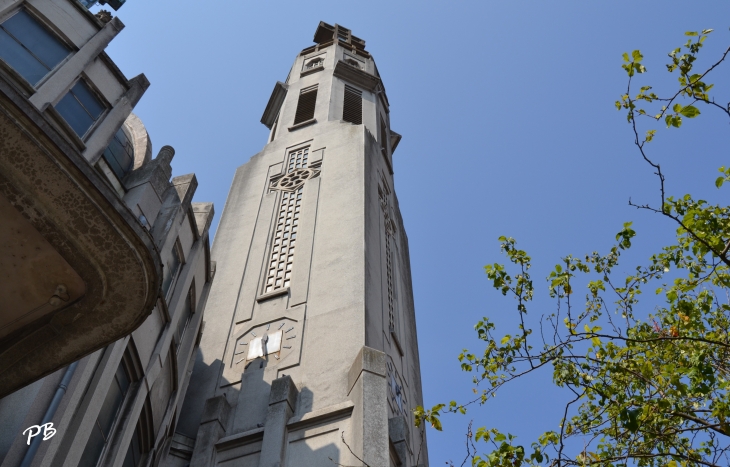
646	389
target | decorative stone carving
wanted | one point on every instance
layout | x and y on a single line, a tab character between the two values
295	179
104	16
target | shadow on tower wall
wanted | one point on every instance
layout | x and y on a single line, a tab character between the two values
245	409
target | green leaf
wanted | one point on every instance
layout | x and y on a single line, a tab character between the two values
690	33
500	437
719	181
690	111
636	55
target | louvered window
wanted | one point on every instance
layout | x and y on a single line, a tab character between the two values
305	107
352	107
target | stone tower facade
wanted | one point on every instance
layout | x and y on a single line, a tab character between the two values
309	355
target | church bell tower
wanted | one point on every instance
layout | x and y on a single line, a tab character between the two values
309	355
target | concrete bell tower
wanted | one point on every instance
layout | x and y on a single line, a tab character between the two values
309	355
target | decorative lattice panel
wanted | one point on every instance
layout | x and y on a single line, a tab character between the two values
281	260
291	185
298	160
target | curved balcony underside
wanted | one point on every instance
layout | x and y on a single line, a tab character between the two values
80	271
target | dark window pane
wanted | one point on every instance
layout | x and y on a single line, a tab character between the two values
108	413
122	379
172	269
135	447
93	448
167	280
74	114
110	407
49	50
88	99
20	60
133	452
129	458
113	163
187	312
305	106
119	154
80	108
352	106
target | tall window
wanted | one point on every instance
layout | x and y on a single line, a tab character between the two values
80	108
102	429
186	315
352	105
305	106
120	154
173	269
29	48
134	452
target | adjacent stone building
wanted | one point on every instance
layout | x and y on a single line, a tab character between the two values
78	267
104	259
310	355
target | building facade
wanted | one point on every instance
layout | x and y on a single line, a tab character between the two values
310	355
105	259
78	266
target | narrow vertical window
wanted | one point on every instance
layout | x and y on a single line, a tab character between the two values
102	429
280	261
134	451
29	48
306	104
172	269
185	315
352	105
120	154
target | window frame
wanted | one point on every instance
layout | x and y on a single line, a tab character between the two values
176	249
350	95
52	30
125	364
124	148
189	301
304	106
96	94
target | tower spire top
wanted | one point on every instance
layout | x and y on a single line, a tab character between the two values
326	33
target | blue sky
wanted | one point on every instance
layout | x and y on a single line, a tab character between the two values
509	128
